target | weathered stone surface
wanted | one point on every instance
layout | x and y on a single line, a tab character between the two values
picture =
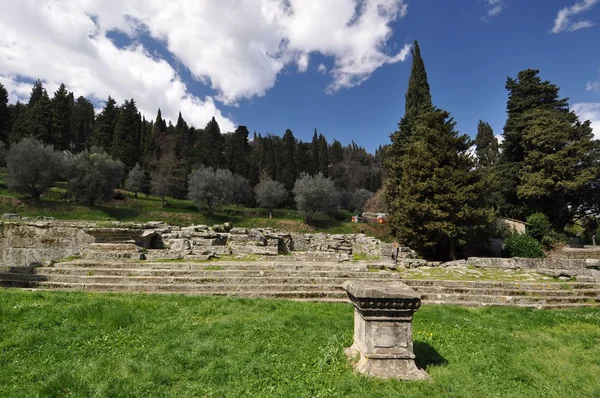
239	231
9	216
456	263
383	345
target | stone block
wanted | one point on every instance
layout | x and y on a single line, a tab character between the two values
239	231
10	216
383	345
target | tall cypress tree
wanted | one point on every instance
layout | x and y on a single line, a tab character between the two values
417	101
303	157
323	156
62	118
486	145
314	154
289	171
83	124
126	138
210	146
37	121
105	125
4	115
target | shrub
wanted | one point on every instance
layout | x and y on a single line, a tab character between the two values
315	195
136	180
359	198
32	167
94	175
522	245
270	194
538	226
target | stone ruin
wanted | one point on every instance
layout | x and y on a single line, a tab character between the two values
23	243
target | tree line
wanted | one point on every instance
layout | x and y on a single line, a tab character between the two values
164	155
443	200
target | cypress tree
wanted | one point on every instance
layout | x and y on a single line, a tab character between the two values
323	156
486	146
62	118
289	172
83	124
4	115
126	137
106	122
37	121
211	145
417	101
237	152
303	157
440	207
314	154
336	152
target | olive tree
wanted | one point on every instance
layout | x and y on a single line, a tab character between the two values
315	195
209	188
359	198
94	175
136	180
32	167
270	194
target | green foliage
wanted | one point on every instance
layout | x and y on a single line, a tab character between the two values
270	194
36	121
486	146
210	188
105	125
316	196
126	138
523	245
5	119
176	346
32	167
537	226
94	175
83	124
62	118
136	180
210	146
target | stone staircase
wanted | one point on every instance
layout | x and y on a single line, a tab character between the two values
300	277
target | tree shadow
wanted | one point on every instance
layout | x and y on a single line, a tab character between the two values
119	213
426	355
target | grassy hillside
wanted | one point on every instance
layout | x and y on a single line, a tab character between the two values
176	212
73	344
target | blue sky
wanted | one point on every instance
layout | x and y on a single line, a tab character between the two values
240	71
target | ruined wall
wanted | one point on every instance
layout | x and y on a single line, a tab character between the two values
25	242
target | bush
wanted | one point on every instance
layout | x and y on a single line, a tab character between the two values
359	198
32	167
522	245
270	194
94	175
538	226
316	195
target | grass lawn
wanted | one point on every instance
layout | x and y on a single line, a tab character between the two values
176	212
74	344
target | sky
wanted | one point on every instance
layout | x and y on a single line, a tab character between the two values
338	66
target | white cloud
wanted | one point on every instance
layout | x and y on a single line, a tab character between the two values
494	8
563	21
589	111
322	68
60	43
593	86
303	62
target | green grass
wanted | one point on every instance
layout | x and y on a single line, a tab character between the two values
57	344
176	212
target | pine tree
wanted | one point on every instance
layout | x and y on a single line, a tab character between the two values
83	124
126	137
561	160
486	146
149	150
303	157
105	125
62	118
336	152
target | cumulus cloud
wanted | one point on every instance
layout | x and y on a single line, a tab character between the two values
589	111
61	43
322	68
564	22
66	41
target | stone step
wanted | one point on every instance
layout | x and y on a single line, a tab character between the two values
229	278
501	284
238	265
498	299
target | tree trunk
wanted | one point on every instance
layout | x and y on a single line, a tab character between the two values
594	239
135	195
452	251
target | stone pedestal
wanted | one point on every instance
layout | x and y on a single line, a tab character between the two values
383	344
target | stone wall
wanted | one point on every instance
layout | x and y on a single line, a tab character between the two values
23	243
